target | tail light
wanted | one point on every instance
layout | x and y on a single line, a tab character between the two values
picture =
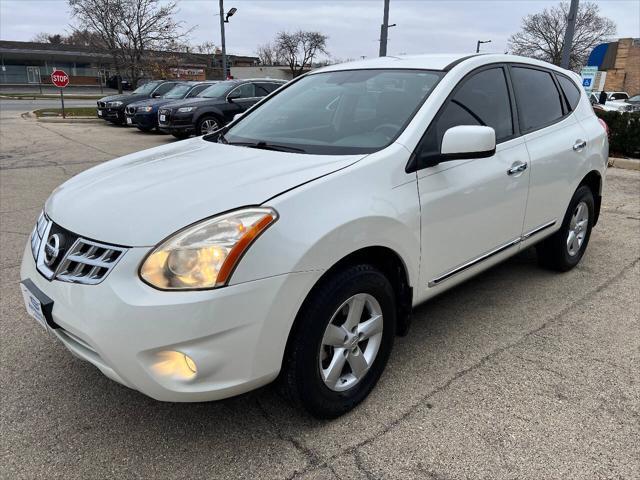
605	126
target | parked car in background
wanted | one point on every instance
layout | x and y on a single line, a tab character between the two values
144	113
112	108
112	82
616	102
214	107
293	243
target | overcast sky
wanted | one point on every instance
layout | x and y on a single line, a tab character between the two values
353	26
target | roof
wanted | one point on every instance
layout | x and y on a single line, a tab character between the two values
429	62
444	62
31	48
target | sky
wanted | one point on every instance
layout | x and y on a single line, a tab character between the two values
353	26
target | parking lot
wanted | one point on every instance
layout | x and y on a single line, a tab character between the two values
518	373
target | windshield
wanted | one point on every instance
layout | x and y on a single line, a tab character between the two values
215	91
146	88
179	91
346	112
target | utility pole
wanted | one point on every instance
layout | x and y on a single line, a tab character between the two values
384	30
568	34
224	50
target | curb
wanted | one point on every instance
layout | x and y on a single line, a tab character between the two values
626	163
31	116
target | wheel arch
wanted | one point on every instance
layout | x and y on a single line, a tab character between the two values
593	180
390	263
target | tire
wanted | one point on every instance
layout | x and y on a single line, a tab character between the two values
563	250
180	135
205	123
301	379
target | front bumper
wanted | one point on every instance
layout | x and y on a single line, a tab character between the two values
111	114
235	335
176	122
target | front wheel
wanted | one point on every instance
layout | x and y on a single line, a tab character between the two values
563	250
341	342
207	125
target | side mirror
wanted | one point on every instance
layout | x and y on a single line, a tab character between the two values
232	96
463	142
155	95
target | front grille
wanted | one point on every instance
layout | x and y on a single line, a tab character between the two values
65	256
102	104
131	110
167	115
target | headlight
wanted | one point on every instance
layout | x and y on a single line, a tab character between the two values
205	254
114	104
186	109
145	109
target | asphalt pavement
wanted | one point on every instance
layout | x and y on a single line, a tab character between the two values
518	373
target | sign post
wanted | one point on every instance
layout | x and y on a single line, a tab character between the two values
60	79
588	75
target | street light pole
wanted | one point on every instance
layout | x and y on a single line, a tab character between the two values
224	50
479	43
568	34
384	30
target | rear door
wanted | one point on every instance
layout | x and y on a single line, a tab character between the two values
472	210
556	144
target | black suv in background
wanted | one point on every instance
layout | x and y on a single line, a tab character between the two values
214	107
112	108
144	113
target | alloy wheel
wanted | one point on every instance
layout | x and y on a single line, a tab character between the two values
209	126
577	228
351	342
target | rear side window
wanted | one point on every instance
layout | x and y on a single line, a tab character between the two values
570	90
269	87
537	97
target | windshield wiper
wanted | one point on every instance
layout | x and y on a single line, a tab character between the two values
262	145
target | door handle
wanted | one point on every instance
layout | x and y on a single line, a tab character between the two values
579	145
517	168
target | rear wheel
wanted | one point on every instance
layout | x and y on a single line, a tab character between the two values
564	249
341	342
207	125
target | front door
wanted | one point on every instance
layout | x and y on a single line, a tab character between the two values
33	74
472	210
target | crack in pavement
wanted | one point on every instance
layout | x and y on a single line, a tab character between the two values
480	363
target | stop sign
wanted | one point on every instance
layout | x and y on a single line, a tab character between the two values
59	78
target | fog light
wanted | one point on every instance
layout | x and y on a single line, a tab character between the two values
175	364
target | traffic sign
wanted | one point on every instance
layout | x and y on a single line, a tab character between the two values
59	78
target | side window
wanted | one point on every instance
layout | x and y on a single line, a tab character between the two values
197	89
570	90
247	90
164	88
537	97
483	99
268	87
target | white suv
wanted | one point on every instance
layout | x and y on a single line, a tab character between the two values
293	243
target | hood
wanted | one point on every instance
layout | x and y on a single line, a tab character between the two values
125	98
153	102
140	199
196	101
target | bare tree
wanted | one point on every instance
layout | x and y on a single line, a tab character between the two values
542	34
208	48
269	54
130	30
299	48
44	37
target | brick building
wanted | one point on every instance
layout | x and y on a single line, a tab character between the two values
619	63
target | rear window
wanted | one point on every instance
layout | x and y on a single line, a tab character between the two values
538	98
570	90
